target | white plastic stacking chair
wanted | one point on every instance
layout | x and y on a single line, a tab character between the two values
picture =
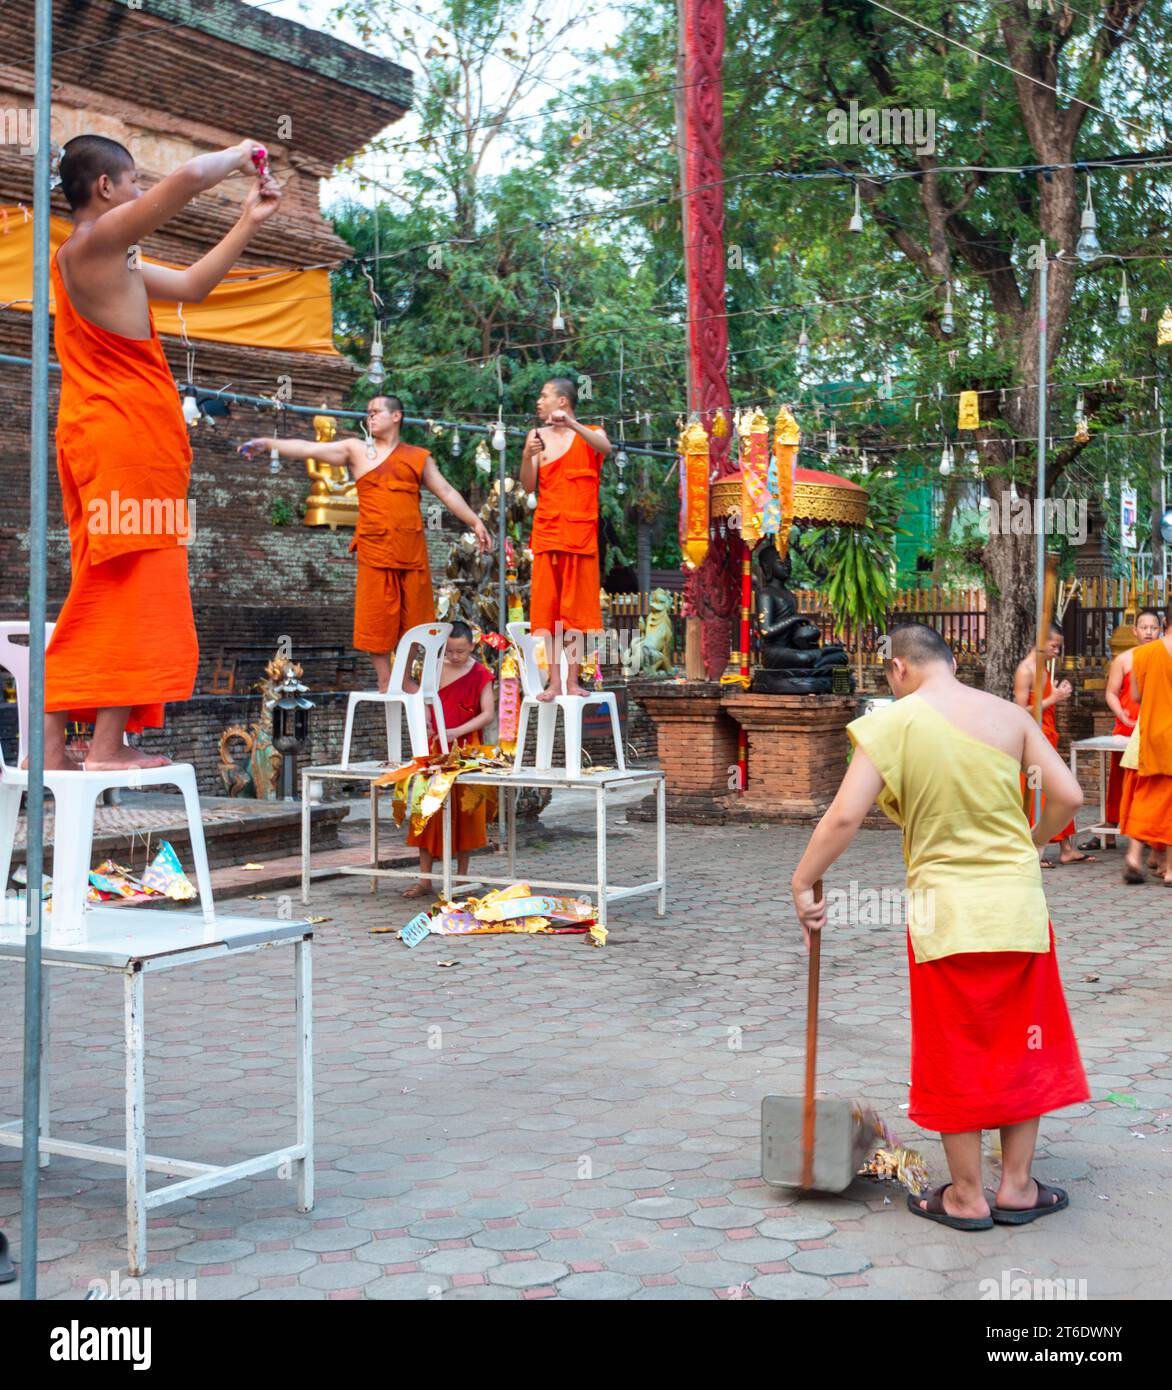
432	637
75	795
571	706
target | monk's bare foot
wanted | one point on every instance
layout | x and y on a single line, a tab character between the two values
577	690
551	692
422	889
56	761
126	759
1073	857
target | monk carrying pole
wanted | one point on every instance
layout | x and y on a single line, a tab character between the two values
38	508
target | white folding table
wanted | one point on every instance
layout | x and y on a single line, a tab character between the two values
1104	745
508	783
134	942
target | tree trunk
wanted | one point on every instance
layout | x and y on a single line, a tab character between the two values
1012	601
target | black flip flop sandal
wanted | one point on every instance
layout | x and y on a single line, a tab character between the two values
935	1212
1021	1216
7	1268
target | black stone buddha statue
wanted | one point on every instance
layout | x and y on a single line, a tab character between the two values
793	661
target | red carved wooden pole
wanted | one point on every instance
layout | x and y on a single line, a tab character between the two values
711	592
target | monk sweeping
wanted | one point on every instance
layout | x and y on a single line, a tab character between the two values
125	641
466	697
1145	812
394	577
992	1043
562	463
1122	703
1024	680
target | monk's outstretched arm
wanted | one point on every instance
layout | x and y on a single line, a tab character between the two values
1061	793
837	828
196	282
436	483
338	451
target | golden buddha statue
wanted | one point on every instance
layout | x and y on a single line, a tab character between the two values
333	495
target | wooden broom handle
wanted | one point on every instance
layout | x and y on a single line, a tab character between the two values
811	1050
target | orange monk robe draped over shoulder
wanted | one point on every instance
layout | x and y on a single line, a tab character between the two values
1115	781
125	635
289	310
1050	729
1145	811
461	702
566	585
393	592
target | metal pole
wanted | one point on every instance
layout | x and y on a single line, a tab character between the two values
502	604
1040	513
38	508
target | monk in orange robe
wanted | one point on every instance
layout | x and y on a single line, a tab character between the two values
125	642
1145	812
394	577
1123	704
466	697
1052	696
562	463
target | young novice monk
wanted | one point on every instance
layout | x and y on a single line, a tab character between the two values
1145	811
125	642
562	463
394	577
992	1045
466	697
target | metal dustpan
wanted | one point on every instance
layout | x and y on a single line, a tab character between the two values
814	1144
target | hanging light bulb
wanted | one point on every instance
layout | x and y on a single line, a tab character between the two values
498	436
1164	328
971	458
947	322
456	443
1088	247
376	373
559	323
1123	305
946	460
1082	433
620	462
531	501
482	457
190	406
831	441
864	462
274	460
856	222
803	352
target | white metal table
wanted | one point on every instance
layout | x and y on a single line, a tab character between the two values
509	783
134	942
1104	745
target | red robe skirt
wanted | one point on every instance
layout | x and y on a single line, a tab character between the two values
992	1042
461	702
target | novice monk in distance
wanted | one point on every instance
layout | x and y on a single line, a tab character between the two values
562	463
1024	679
992	1045
1145	812
125	641
1122	701
394	577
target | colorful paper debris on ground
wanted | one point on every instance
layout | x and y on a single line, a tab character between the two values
163	877
514	910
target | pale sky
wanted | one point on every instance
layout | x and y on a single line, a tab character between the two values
315	14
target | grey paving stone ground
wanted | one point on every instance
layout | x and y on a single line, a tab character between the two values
547	1120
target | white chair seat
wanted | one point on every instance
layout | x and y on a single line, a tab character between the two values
571	707
432	637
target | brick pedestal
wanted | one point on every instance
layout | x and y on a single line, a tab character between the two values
697	743
797	753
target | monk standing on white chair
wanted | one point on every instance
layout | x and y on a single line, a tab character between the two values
394	576
562	463
125	640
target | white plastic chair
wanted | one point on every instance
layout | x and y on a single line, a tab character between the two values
432	637
75	795
571	706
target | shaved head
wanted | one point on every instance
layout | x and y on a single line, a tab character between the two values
918	644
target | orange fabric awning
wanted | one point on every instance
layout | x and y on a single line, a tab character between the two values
289	310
